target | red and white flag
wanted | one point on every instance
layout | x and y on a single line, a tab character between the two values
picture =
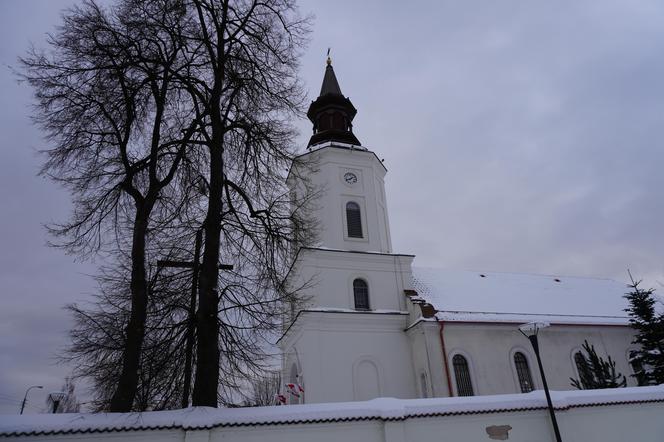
294	389
281	399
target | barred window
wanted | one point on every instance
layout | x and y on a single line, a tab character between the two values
637	368
354	220
361	294
462	376
580	361
581	367
523	372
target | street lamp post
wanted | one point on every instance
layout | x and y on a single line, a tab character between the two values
25	398
530	331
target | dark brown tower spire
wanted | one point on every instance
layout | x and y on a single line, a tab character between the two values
331	113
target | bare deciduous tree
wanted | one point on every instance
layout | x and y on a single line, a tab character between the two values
108	103
265	389
169	116
246	85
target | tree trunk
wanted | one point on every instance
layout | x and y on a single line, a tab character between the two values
191	320
123	398
207	366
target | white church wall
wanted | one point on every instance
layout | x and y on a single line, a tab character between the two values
330	274
616	415
427	357
338	351
490	349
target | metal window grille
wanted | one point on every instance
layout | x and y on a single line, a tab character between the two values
354	220
580	361
361	294
523	372
462	376
581	366
639	373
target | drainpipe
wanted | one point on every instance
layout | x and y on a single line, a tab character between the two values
441	325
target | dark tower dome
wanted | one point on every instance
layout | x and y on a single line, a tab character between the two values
332	114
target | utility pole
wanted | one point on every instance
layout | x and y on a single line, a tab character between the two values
191	314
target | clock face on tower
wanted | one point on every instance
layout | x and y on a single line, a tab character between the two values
350	178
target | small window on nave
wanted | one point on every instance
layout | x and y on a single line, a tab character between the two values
354	220
581	366
579	361
639	372
361	294
523	372
462	376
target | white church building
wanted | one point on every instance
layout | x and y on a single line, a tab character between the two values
375	325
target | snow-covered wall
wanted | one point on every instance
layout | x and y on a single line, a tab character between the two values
618	415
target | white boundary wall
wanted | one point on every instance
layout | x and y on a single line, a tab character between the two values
616	415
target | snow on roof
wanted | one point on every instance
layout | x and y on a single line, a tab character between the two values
386	409
512	297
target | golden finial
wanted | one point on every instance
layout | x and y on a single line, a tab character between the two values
329	60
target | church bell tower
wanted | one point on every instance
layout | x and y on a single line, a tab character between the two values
350	279
331	113
352	211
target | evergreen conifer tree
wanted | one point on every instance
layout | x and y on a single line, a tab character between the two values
595	372
648	361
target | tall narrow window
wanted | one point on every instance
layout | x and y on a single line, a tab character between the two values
462	376
353	220
639	372
579	361
361	294
523	372
581	366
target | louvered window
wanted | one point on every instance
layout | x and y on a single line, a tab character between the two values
523	372
361	294
462	376
354	220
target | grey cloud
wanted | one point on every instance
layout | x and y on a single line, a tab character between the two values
519	136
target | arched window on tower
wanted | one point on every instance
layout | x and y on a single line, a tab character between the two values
353	220
523	372
361	294
462	376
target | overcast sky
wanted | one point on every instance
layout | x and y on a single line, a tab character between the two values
520	136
